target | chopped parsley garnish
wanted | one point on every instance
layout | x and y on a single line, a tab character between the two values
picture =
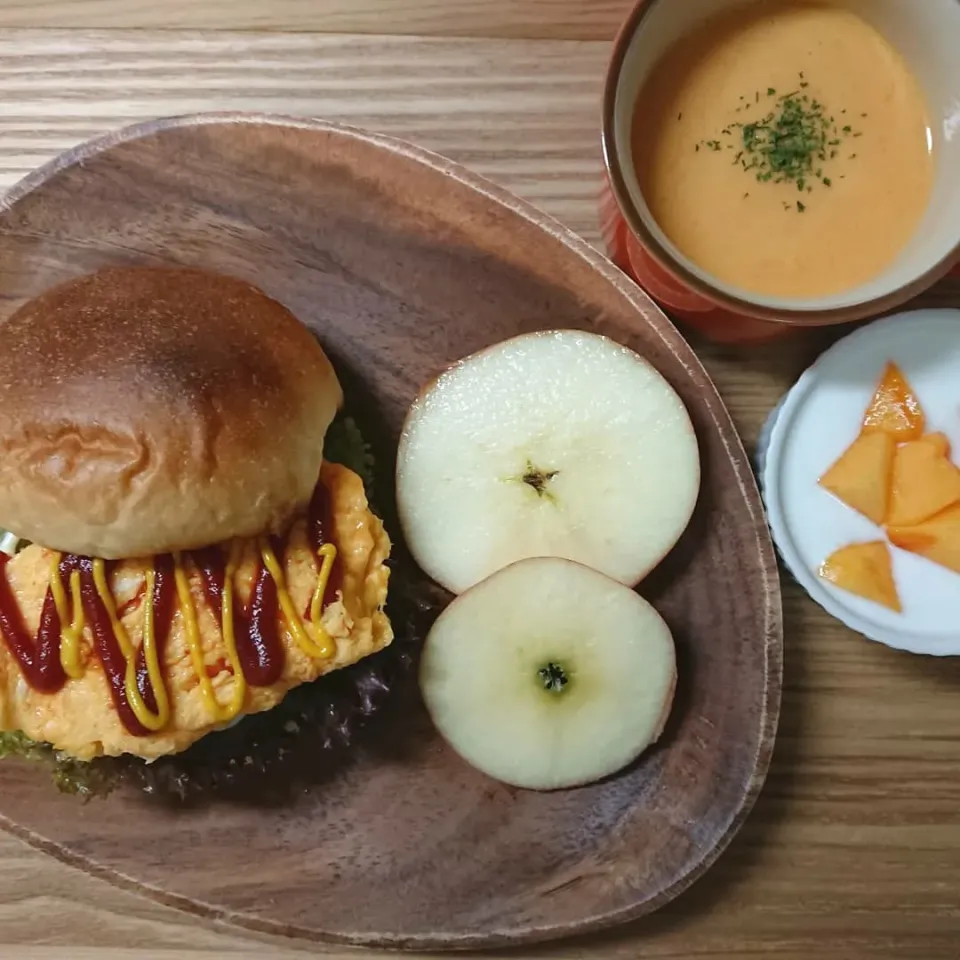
791	143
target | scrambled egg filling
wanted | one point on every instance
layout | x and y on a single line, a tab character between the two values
81	718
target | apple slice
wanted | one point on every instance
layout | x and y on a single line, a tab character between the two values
924	481
864	569
937	539
861	477
558	444
895	408
549	674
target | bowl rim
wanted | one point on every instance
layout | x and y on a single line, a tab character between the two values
795	316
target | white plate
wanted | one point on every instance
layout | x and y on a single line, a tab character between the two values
816	422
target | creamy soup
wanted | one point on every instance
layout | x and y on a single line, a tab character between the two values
785	149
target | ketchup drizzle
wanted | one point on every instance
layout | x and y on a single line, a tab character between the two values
320	532
164	591
105	643
39	657
255	629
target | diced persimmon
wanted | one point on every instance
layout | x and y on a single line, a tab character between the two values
924	481
861	477
864	569
895	408
937	539
939	442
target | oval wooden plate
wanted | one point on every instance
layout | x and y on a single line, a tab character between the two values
402	262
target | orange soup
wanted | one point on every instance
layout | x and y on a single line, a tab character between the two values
785	149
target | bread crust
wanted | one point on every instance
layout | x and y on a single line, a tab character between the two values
151	409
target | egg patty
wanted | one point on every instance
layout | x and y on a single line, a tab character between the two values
81	719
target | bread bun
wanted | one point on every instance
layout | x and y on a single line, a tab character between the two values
145	410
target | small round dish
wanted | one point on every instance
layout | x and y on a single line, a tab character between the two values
816	421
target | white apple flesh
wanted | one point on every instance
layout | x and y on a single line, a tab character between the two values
562	444
549	675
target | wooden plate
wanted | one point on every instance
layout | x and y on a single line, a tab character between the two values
402	262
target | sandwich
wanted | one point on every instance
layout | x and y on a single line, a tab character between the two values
180	553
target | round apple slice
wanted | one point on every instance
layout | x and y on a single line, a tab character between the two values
560	444
549	674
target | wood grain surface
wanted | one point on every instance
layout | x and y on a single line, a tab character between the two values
547	19
524	113
853	850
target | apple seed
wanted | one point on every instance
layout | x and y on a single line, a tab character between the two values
538	479
553	677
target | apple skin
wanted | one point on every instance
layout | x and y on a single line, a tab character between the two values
413	410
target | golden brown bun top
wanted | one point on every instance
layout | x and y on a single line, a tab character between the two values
144	410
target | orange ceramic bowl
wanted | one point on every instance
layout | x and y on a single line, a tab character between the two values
923	33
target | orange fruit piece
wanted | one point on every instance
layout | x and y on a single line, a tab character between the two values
895	408
924	481
937	539
864	569
939	442
861	477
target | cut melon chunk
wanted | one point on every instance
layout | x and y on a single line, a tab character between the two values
864	569
937	539
895	408
861	477
924	481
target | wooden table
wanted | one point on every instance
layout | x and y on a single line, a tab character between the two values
853	850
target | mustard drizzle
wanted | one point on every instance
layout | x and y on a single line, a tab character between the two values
312	638
152	721
328	554
71	623
71	633
221	712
